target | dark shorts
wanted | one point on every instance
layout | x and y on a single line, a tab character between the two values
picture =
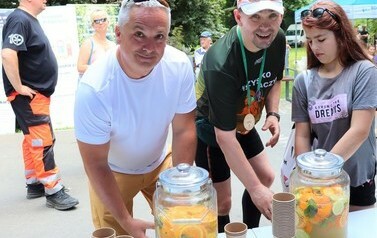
212	159
363	195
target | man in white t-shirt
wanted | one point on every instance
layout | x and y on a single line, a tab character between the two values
124	106
205	43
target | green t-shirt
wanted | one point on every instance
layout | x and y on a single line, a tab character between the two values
221	85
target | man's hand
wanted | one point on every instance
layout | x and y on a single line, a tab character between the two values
26	91
262	198
137	228
272	124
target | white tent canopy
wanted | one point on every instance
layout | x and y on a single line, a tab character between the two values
355	9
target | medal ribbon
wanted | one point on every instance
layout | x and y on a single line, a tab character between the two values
259	85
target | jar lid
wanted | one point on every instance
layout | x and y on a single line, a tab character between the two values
183	176
320	164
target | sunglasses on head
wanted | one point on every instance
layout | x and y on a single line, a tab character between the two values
162	2
318	13
100	20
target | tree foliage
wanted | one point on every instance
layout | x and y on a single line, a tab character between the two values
8	3
290	8
196	16
190	17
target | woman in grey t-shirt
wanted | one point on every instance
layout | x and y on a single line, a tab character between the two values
340	100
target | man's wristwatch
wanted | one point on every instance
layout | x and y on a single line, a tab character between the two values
275	114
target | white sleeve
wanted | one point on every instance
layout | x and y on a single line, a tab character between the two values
187	98
197	57
92	117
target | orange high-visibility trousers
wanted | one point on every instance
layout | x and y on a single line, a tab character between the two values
33	117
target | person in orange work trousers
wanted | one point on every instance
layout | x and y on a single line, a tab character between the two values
30	74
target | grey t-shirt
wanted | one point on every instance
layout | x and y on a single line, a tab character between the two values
328	104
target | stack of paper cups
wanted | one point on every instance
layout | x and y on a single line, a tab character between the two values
283	215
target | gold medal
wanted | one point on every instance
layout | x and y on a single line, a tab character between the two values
249	122
245	122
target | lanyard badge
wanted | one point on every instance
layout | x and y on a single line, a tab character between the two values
249	120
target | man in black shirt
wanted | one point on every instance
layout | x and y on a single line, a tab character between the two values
239	77
30	74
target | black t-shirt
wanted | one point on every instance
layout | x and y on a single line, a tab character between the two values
221	85
37	63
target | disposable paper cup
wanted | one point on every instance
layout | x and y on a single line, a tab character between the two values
235	230
104	232
283	215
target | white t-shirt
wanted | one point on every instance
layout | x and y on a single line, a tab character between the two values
134	115
199	54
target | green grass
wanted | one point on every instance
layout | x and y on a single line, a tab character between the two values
301	52
295	55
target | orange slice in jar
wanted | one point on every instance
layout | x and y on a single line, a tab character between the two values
192	231
324	205
304	199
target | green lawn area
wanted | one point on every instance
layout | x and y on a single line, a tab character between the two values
295	55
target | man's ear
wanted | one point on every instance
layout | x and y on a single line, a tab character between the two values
117	31
237	16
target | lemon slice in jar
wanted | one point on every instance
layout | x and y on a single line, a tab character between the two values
192	231
338	207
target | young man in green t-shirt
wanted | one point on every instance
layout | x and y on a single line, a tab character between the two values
240	76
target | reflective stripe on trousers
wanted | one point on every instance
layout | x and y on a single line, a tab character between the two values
33	117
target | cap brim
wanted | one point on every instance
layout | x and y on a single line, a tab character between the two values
252	8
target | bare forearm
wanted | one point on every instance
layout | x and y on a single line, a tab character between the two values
302	138
184	138
102	180
82	68
349	144
84	55
302	145
351	141
238	162
103	183
10	64
184	146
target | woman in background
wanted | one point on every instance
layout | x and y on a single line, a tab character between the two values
339	104
372	53
97	45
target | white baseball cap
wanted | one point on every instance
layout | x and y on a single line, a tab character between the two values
250	7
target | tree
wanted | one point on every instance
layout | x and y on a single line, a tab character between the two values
290	8
190	17
8	4
195	16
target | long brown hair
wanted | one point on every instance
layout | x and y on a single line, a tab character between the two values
349	48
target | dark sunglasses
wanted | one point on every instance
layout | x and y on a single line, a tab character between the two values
318	13
100	20
163	2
